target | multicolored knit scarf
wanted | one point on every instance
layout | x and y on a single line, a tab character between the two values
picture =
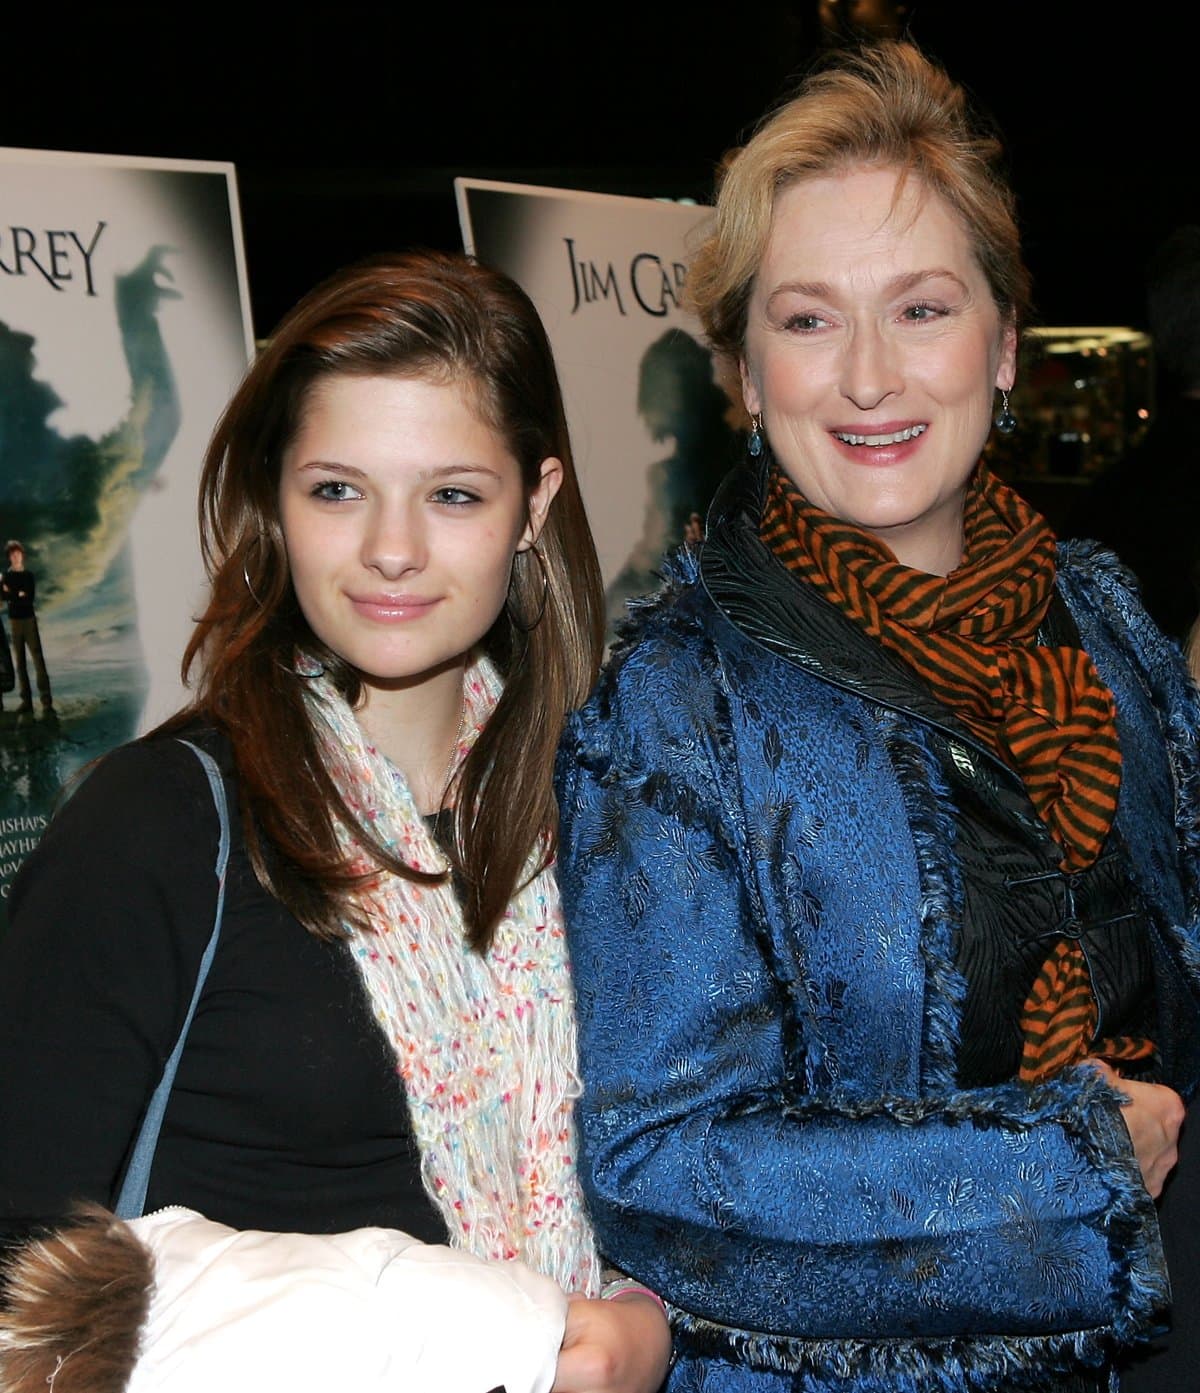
485	1046
972	636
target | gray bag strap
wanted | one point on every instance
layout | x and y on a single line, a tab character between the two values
132	1199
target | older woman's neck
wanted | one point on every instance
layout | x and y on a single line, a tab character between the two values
935	549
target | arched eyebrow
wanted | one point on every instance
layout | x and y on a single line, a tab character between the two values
441	471
329	466
898	285
912	279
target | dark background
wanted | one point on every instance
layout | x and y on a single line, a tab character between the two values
347	127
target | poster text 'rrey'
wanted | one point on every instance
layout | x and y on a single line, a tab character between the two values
54	254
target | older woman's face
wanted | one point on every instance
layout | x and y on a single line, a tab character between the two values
873	351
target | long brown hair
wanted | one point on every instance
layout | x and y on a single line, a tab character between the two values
442	318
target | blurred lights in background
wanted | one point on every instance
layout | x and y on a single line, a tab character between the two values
1084	396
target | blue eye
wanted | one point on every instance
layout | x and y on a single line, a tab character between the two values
454	496
920	313
804	323
335	491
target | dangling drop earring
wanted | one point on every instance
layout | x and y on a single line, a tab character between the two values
1006	422
755	443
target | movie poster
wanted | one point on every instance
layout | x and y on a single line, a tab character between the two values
655	420
124	326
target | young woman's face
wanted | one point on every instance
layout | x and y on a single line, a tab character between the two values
402	512
873	351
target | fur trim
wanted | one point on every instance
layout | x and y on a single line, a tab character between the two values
1108	587
933	822
74	1306
989	1364
1091	567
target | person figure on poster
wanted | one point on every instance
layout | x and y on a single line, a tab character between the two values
1144	506
19	589
405	600
8	674
877	841
679	400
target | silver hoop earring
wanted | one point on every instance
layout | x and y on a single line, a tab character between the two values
517	622
755	443
1006	422
250	548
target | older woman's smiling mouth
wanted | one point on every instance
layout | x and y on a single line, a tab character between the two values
896	437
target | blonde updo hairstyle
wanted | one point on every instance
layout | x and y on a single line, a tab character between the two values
888	106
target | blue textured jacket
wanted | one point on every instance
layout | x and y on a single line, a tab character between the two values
759	867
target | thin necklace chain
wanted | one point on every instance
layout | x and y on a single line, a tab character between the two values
453	760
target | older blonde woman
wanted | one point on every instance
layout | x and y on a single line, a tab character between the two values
878	847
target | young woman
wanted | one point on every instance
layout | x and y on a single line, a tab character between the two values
404	603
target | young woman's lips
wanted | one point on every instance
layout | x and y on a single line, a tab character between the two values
889	442
393	609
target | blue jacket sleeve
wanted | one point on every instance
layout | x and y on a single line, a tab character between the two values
714	1177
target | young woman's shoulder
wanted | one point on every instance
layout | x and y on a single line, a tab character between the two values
144	809
108	919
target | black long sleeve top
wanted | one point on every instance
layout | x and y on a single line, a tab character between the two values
287	1112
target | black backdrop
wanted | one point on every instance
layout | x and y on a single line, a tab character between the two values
347	126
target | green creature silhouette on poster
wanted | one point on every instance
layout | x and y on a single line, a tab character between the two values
66	501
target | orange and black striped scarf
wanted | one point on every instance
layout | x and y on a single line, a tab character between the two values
972	636
1059	1018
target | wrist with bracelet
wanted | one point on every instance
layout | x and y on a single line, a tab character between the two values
621	1287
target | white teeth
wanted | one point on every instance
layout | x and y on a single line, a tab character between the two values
908	433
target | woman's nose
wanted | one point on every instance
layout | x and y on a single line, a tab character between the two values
870	368
394	542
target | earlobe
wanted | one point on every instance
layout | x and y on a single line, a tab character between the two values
1006	369
540	500
750	393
